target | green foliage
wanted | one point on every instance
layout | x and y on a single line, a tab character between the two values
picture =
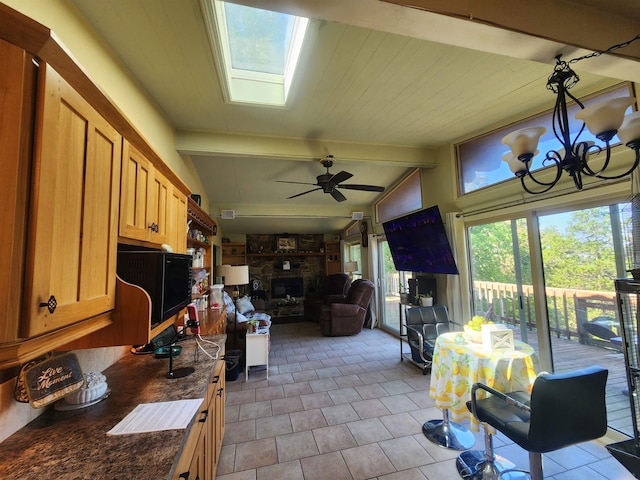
492	248
576	255
583	256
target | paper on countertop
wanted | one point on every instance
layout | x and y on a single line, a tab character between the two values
154	417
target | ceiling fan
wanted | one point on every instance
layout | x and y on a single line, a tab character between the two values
329	183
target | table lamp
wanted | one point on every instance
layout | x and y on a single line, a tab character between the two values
236	275
221	271
350	267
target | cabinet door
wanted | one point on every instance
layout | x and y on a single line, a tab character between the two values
177	221
137	175
219	414
17	96
71	256
158	205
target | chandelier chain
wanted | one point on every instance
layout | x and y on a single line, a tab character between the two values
610	49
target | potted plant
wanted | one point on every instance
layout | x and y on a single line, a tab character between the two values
252	326
425	299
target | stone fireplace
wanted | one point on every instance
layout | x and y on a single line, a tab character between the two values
277	274
287	287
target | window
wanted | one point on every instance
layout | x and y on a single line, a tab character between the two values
404	198
256	50
480	159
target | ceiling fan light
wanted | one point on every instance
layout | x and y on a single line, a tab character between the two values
605	116
524	141
630	128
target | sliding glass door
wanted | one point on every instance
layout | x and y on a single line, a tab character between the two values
501	275
582	251
390	283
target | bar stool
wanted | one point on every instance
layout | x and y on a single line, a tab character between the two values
448	434
562	410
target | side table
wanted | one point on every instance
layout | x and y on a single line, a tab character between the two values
257	350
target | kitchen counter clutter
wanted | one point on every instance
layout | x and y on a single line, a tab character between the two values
75	444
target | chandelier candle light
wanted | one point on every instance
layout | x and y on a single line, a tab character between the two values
603	119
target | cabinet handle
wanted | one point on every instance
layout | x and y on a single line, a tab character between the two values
220	392
154	227
205	415
184	475
216	379
51	304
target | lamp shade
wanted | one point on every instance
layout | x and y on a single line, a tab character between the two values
350	267
604	116
630	129
221	270
237	275
524	141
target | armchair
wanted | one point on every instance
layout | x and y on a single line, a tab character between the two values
424	324
334	289
347	317
562	410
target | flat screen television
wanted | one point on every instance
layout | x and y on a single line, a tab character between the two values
419	243
165	276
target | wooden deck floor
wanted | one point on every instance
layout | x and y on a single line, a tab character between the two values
572	355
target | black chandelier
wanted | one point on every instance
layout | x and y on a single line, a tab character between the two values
604	120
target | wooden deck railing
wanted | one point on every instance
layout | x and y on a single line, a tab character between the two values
568	308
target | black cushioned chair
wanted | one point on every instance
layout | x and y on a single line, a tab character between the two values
424	324
562	410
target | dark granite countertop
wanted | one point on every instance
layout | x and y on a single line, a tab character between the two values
74	444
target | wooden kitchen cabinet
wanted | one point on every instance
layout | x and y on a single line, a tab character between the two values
72	232
144	198
177	221
201	453
17	99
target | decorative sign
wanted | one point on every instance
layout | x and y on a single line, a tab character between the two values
53	379
497	337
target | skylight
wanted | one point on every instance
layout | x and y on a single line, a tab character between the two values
256	51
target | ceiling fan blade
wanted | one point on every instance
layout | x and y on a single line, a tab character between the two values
339	197
297	183
367	188
304	193
340	177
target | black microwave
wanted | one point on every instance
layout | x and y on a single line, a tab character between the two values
166	277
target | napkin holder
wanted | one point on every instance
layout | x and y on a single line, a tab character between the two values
497	336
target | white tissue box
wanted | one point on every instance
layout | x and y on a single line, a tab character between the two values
497	336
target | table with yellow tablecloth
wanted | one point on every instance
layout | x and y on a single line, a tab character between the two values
458	363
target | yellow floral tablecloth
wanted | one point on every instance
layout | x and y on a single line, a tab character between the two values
459	363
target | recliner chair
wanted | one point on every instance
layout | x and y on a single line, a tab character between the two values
562	410
424	324
348	316
334	289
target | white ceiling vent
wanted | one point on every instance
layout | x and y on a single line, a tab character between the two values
228	214
357	215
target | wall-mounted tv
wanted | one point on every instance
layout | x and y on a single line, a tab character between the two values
419	243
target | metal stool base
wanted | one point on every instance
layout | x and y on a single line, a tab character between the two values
473	465
448	435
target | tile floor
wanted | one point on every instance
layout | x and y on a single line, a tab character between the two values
347	408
